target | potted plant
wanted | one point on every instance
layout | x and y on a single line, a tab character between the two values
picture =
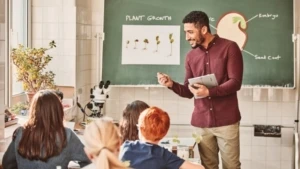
30	65
20	108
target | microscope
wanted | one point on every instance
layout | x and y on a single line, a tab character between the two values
98	96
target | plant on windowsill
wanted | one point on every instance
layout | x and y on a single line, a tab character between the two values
20	108
30	65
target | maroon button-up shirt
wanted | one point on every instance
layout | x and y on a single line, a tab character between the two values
223	58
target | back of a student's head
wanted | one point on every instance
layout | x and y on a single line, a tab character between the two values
102	142
153	124
130	119
44	125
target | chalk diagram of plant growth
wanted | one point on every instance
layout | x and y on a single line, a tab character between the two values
151	44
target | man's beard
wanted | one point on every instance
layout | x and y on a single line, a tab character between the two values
201	40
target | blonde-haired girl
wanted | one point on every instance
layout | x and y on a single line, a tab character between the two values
102	143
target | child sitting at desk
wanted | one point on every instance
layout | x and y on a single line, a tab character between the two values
102	144
130	118
153	125
44	142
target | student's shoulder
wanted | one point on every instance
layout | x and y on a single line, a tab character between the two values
70	134
130	143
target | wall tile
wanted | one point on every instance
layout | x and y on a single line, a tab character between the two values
112	107
245	152
274	121
2	51
69	15
69	47
245	94
273	141
156	93
141	93
258	141
169	94
157	103
274	109
288	109
37	3
246	136
114	93
260	94
246	109
275	95
1	98
51	14
288	95
273	164
127	93
52	3
273	153
69	31
174	119
258	153
171	107
287	153
287	164
69	3
2	31
259	109
97	5
97	18
184	119
287	136
185	107
259	120
37	28
37	44
246	164
288	121
50	31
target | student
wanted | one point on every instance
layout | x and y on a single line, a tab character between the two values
44	142
153	125
216	115
102	144
130	119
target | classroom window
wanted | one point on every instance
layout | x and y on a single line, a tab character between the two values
18	35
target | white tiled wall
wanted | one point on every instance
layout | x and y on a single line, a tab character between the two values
56	20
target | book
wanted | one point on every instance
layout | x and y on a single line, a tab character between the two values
206	80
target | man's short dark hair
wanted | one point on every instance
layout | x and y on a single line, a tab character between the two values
198	18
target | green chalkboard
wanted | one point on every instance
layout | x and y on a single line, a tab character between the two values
130	42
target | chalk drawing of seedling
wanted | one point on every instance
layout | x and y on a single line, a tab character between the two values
146	42
171	42
135	41
127	43
157	43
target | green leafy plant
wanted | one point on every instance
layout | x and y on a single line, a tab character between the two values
175	139
16	108
30	65
197	137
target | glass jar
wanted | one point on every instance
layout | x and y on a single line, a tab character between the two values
183	151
